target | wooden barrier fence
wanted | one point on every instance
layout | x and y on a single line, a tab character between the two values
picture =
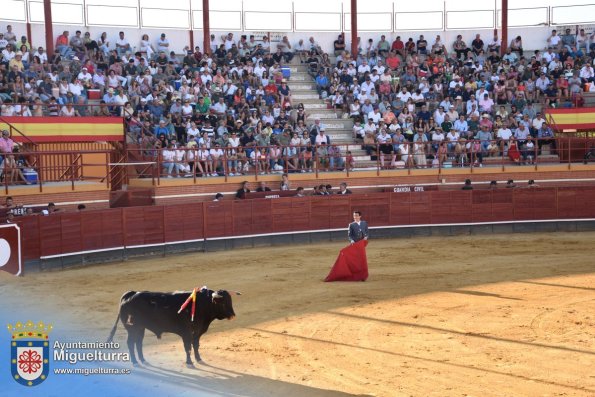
64	233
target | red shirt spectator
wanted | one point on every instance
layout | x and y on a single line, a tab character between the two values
397	44
62	39
271	88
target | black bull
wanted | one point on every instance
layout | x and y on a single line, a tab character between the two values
158	312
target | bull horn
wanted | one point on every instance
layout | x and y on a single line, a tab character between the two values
236	292
216	295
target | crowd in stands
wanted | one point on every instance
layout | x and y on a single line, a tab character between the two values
411	101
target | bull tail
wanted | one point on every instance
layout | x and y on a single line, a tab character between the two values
124	297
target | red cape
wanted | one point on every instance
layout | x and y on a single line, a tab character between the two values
351	264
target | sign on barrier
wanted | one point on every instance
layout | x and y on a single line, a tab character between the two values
10	249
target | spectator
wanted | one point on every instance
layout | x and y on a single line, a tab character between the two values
241	193
568	40
554	41
343	189
122	45
467	185
262	187
50	209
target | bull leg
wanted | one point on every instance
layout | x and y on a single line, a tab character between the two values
130	342
139	346
187	339
195	346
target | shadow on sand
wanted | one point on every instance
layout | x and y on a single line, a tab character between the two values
206	380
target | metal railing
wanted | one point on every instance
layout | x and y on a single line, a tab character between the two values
38	168
317	160
17	168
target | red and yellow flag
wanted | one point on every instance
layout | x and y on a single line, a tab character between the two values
66	129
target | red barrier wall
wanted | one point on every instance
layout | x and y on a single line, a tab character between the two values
68	232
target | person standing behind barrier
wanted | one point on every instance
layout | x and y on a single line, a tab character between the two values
241	193
358	229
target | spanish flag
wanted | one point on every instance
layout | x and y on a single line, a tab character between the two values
572	119
65	129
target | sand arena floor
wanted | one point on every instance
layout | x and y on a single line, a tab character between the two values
490	315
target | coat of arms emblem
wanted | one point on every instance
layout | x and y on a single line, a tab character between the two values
29	352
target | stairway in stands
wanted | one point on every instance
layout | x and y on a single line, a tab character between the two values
339	130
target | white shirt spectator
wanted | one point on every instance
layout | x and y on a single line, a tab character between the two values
424	87
168	155
120	100
494	42
504	133
380	68
538	122
548	56
234	141
363	68
84	75
268	119
582	40
470	104
553	41
370	127
586	72
321	138
438	136
367	87
299	46
542	83
404	96
203	155
65	112
259	70
23	111
417	97
75	89
452	136
7	110
455	83
8	55
193	132
383	137
228	43
99	80
439	116
374	116
43	58
220	108
205	78
122	42
162	44
358	130
216	153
